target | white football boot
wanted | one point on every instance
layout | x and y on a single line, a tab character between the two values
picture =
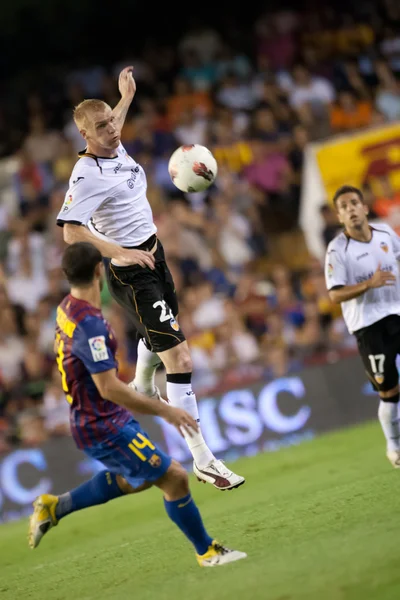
394	458
218	475
218	555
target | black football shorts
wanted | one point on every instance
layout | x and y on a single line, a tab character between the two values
149	297
379	345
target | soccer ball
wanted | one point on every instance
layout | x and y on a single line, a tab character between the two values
192	168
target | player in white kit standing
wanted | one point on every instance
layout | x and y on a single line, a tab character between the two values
106	204
362	274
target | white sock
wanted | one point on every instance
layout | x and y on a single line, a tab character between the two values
389	420
181	395
146	367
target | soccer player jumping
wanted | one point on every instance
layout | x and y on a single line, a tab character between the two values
106	204
362	274
102	423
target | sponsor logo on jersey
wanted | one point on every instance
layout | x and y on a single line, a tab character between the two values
67	203
117	168
131	181
98	348
363	277
385	247
362	256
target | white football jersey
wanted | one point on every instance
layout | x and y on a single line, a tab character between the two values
349	261
108	195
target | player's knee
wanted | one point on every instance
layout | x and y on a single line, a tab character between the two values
177	359
184	362
126	487
178	480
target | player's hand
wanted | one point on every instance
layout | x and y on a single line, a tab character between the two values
127	257
180	419
126	83
381	278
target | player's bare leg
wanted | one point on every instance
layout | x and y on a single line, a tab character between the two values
183	511
49	509
388	414
207	468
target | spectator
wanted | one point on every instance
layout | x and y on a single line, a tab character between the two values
306	89
390	48
332	227
349	113
388	93
42	144
25	287
387	203
185	98
190	129
55	410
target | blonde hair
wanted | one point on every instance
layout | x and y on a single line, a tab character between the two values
84	109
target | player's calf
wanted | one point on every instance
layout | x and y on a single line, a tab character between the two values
388	414
175	482
182	510
49	509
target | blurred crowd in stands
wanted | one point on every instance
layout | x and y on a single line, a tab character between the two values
252	300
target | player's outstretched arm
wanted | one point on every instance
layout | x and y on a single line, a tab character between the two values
125	256
113	389
127	89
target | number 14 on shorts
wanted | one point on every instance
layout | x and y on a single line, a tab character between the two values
138	443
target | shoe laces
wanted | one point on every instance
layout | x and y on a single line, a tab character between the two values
220	549
219	465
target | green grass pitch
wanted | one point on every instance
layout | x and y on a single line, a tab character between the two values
319	521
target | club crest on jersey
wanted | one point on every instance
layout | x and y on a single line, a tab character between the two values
330	270
67	203
98	348
174	324
155	460
379	378
385	247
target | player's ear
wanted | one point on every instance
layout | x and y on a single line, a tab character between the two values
83	133
98	271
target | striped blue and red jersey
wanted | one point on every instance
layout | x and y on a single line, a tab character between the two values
86	345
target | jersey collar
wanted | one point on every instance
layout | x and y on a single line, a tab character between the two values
84	152
372	229
94	156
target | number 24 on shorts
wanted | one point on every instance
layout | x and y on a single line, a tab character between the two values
166	313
